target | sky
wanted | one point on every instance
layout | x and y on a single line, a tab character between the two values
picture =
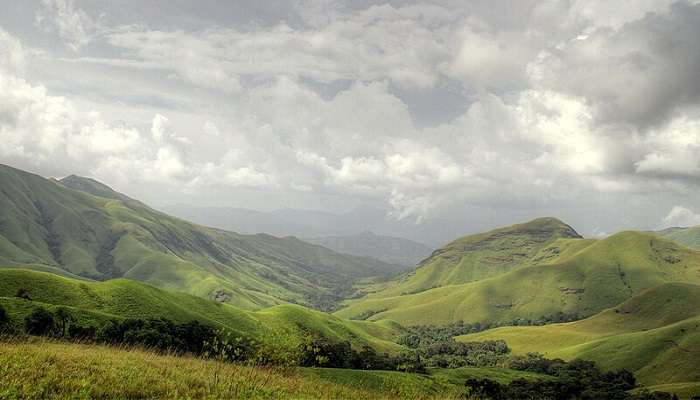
483	112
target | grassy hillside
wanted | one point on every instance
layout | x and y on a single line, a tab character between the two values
689	237
97	302
50	370
488	254
655	334
47	370
48	226
584	277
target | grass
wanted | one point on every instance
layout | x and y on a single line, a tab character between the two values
582	280
43	369
46	370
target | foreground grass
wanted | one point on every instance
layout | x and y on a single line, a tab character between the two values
49	370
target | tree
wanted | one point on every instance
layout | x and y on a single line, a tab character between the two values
23	293
64	318
39	322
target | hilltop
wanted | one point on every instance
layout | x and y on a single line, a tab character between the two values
485	255
97	233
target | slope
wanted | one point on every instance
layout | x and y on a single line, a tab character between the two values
580	281
655	334
368	244
48	226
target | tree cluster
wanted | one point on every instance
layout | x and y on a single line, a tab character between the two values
575	380
417	334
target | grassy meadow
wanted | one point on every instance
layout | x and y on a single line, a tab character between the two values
48	370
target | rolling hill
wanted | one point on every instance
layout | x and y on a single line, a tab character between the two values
488	254
95	303
574	276
655	334
368	244
97	233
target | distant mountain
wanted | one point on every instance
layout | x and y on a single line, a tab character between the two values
241	220
689	237
313	223
385	248
528	271
64	227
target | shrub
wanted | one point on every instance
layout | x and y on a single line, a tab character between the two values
4	319
23	293
39	322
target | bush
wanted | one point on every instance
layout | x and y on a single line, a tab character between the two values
161	334
23	293
4	319
78	332
39	322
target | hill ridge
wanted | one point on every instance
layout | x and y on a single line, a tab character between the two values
45	224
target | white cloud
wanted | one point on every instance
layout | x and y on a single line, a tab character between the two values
557	105
402	44
637	74
681	217
12	57
72	24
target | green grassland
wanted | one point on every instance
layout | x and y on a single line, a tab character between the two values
62	227
655	334
582	278
45	370
82	371
94	303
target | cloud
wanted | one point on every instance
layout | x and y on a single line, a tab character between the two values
643	71
72	24
12	58
402	44
681	217
555	105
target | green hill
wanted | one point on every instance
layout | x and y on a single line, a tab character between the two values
579	277
655	334
489	254
97	302
49	226
689	237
